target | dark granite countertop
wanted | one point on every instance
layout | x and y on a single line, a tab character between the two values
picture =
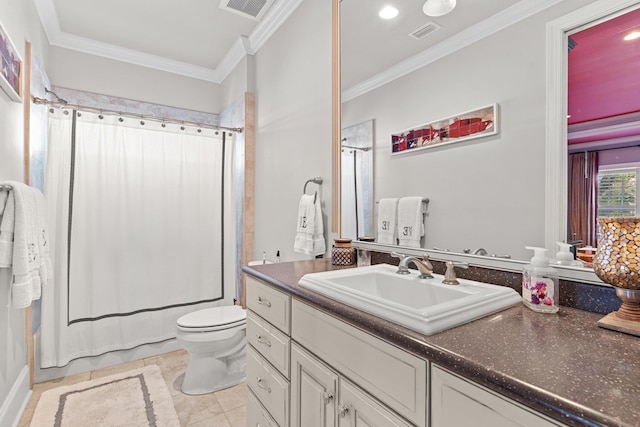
562	365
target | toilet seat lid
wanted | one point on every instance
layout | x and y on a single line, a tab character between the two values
221	317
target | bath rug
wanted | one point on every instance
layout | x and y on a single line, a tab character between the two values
137	398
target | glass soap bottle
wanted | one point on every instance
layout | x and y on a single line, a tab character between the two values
540	283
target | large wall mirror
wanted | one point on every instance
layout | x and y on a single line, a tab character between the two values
498	193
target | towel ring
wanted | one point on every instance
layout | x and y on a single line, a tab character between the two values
316	180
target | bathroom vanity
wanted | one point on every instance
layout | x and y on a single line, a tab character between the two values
313	361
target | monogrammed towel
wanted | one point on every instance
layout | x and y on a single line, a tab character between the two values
387	221
310	228
29	261
410	221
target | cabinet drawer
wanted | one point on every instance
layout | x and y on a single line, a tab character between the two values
257	416
271	388
270	342
271	304
393	376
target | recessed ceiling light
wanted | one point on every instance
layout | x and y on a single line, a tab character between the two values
632	36
388	12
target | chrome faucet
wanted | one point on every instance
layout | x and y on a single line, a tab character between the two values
422	263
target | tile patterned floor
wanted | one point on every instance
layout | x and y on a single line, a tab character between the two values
224	408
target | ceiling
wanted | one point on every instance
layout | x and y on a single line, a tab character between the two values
371	44
194	38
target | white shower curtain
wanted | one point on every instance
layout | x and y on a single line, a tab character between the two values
352	195
137	232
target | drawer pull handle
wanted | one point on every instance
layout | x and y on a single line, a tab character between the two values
263	341
327	397
343	410
264	302
262	385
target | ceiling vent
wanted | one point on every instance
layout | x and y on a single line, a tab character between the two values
425	30
252	9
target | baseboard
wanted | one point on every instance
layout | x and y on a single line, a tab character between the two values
106	360
17	400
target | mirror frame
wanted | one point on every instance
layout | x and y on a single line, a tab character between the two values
555	143
336	122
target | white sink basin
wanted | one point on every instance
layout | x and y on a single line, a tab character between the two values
424	305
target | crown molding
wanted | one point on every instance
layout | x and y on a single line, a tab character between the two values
243	46
489	26
275	17
131	56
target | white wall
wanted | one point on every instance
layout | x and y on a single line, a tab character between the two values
90	73
235	84
488	192
21	23
293	132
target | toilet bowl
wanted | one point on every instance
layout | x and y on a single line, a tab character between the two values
215	339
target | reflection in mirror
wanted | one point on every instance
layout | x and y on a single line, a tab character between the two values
496	193
357	180
603	123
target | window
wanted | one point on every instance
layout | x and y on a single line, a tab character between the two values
617	192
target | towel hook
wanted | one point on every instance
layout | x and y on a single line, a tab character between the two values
316	180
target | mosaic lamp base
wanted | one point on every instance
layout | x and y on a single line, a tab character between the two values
627	318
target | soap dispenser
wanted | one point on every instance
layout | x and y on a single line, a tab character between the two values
565	256
540	283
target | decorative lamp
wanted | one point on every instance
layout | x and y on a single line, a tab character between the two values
438	7
617	262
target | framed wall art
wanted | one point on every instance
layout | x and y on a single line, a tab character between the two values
11	73
461	127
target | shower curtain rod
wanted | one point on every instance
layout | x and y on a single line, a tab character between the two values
59	104
356	148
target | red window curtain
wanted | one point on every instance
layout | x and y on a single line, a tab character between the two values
583	198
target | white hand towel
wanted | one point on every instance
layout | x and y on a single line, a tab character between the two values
410	221
29	239
310	230
319	245
7	224
387	221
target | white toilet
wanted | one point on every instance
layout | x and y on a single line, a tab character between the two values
215	339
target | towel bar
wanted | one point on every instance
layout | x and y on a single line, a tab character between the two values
425	202
316	180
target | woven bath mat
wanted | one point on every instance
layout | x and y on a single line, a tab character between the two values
135	398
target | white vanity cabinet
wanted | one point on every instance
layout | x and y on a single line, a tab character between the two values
307	368
268	355
457	402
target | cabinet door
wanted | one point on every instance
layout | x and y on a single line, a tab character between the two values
456	402
358	409
313	390
393	376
